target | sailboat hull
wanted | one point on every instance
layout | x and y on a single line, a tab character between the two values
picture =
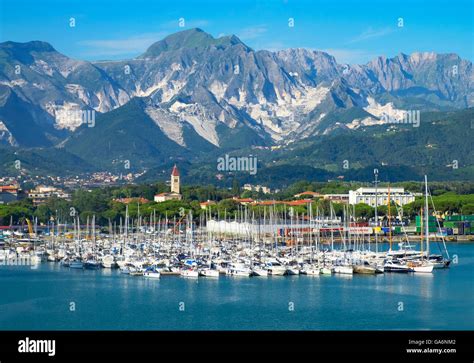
151	274
92	265
397	268
76	265
347	270
311	272
189	273
259	272
326	271
209	273
423	269
292	271
364	270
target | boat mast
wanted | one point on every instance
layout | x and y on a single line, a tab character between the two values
421	232
427	230
376	182
389	222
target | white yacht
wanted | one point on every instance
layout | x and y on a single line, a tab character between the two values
258	271
108	261
310	270
152	274
344	269
275	268
189	273
208	272
239	269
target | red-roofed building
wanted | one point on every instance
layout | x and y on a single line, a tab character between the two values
243	201
295	203
205	205
8	189
8	193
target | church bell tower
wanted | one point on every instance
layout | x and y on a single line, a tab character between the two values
175	180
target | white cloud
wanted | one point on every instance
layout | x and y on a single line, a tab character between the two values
99	48
371	33
116	47
252	32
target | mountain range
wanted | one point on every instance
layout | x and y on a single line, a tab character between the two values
191	96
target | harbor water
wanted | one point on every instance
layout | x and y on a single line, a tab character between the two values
51	297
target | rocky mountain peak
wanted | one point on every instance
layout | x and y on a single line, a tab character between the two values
189	39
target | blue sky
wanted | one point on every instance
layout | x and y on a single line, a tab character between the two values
354	31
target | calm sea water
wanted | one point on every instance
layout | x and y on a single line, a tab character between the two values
42	298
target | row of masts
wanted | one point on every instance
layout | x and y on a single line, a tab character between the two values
299	230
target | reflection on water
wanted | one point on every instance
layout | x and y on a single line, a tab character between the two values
105	299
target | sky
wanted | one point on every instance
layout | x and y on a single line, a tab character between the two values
354	31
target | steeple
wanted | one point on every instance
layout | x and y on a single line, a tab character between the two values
175	171
175	183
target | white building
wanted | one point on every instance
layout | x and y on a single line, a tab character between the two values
367	196
41	193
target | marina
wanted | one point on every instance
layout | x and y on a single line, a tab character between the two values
42	296
276	244
183	270
260	180
248	246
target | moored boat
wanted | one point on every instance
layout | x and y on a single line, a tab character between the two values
92	265
365	269
258	271
189	273
276	268
326	271
292	271
152	273
310	270
421	266
207	272
108	261
348	270
396	266
77	264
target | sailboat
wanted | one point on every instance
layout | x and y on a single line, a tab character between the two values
152	273
189	272
275	268
92	263
209	271
423	265
108	261
76	263
393	264
344	269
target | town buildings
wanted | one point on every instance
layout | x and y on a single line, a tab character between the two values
8	193
41	193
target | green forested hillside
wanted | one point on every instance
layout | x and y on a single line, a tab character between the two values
440	147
